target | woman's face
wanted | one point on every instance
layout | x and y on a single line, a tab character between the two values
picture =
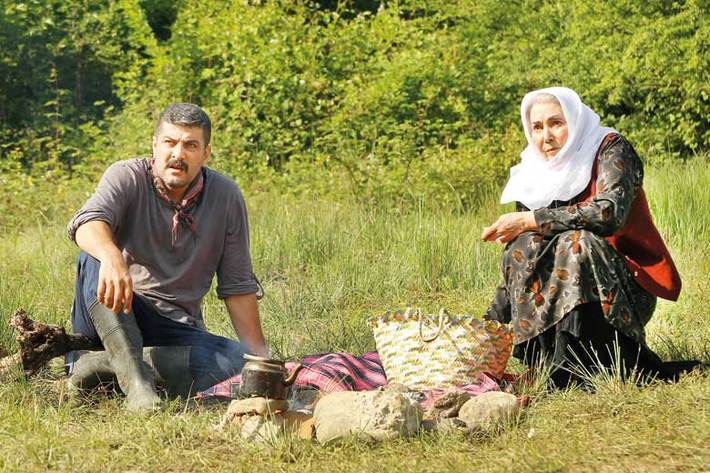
548	128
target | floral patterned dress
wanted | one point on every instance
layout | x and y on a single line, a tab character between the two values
569	263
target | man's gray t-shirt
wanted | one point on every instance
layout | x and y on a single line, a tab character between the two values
174	278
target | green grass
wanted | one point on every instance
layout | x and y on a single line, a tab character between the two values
326	267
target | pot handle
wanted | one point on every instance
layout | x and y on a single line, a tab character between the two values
289	381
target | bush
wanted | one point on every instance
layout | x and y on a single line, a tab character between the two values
392	102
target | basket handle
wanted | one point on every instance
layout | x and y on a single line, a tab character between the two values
442	315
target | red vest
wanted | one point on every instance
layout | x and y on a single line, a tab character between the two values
639	242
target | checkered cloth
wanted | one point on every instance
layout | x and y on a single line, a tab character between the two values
346	372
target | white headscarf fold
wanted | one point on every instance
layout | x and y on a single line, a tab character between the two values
536	182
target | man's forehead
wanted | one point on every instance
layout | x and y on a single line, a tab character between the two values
180	132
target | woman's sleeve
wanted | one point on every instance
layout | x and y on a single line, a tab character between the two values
619	179
500	307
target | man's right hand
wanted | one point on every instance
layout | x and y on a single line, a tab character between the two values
115	286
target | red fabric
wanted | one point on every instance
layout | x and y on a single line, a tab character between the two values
333	372
639	242
181	208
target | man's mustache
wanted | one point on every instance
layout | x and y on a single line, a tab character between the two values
176	163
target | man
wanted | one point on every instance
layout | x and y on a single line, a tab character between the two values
153	235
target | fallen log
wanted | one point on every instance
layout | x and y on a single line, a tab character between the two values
39	343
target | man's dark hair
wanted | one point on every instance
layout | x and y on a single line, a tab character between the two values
186	114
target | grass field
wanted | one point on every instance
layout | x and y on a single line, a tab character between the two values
326	267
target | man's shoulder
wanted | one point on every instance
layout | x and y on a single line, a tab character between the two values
127	168
222	184
136	164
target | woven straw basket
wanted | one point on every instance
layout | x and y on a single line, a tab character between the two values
426	351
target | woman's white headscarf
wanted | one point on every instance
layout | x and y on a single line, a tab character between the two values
536	182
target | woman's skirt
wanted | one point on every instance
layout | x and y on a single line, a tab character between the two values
583	343
575	304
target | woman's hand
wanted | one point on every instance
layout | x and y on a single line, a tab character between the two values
509	226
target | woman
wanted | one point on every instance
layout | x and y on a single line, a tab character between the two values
584	263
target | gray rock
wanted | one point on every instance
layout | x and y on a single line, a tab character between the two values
256	405
428	425
304	399
379	415
451	425
448	405
261	429
396	388
489	410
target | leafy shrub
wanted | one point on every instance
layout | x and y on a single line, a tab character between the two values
393	103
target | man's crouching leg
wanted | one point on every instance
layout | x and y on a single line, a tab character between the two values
170	366
123	343
91	369
121	338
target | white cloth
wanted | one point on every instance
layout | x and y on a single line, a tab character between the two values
536	182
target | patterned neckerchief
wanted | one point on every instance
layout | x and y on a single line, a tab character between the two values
181	208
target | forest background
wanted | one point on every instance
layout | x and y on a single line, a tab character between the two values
384	102
371	139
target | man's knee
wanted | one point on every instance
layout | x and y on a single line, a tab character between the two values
87	278
214	358
87	267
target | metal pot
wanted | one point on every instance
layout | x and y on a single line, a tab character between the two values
264	377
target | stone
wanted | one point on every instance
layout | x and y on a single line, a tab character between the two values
299	424
396	388
261	429
253	406
304	399
256	405
489	411
448	405
451	425
378	415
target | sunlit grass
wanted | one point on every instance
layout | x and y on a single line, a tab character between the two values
328	265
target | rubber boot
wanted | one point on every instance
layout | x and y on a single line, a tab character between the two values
170	366
123	343
91	369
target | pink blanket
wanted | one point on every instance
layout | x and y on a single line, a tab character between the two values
346	372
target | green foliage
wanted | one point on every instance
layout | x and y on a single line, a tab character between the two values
387	102
63	66
643	66
160	15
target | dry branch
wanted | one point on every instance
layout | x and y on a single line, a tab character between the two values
39	343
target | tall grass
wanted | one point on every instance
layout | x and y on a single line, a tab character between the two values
680	203
328	265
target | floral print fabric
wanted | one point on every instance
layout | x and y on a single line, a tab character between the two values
568	263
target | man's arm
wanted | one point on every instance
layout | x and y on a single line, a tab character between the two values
244	312
115	286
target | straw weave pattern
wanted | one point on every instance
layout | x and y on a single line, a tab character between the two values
464	347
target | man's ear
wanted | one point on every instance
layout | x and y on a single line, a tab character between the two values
208	152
